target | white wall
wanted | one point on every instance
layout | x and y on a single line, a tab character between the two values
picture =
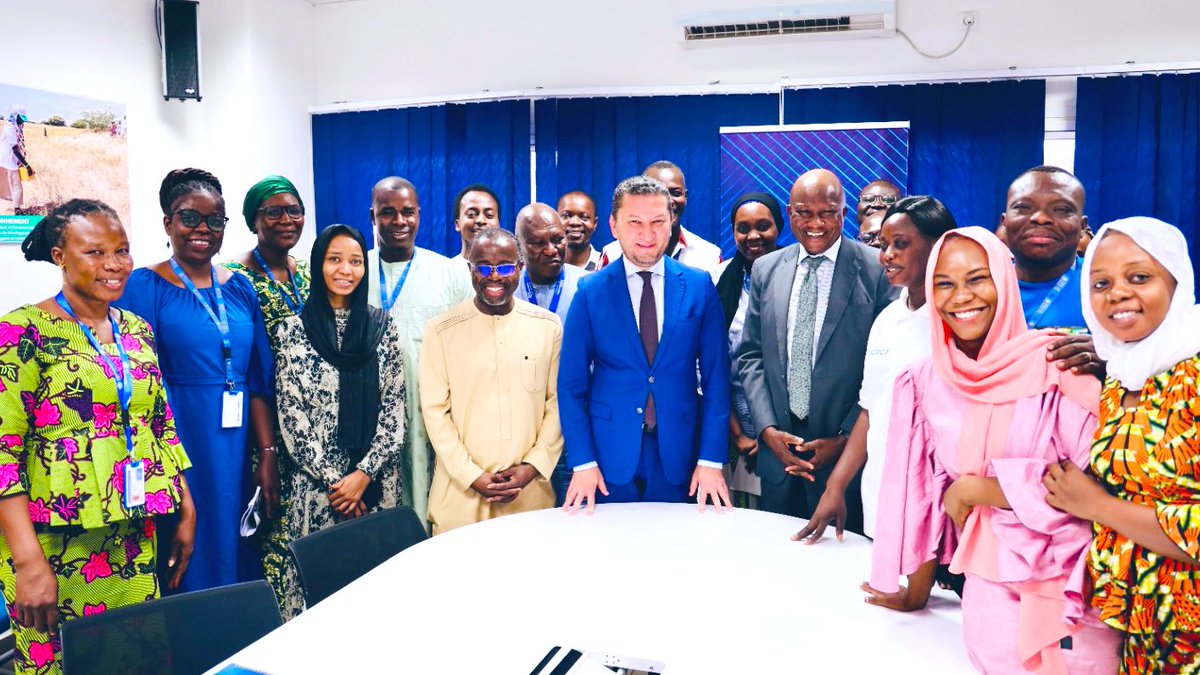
369	50
256	66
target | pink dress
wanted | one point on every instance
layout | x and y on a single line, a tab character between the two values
1028	598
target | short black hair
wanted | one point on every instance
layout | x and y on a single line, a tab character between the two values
48	233
473	187
931	217
180	182
1055	170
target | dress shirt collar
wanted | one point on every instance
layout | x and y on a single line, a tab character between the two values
830	253
658	269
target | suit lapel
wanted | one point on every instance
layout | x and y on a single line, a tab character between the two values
845	272
618	292
781	293
672	303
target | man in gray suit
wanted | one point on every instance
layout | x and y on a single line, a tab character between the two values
801	359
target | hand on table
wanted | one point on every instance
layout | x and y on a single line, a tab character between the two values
583	488
830	509
780	443
901	601
708	483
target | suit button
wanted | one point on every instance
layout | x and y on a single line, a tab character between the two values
640	411
651	379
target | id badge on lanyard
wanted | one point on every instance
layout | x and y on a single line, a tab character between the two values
134	472
232	398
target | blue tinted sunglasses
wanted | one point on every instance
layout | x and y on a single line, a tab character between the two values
501	270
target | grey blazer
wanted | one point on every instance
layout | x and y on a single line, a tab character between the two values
859	293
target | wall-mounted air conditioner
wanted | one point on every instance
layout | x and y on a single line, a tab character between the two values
816	20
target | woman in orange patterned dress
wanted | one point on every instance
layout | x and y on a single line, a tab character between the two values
1145	556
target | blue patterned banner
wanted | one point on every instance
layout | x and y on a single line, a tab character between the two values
769	159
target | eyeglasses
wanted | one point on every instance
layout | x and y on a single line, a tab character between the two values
501	270
276	212
869	238
886	200
192	219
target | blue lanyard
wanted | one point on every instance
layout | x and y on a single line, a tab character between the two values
1051	297
388	300
220	319
123	379
532	293
746	282
294	300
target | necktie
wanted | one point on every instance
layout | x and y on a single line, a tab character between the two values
800	363
648	327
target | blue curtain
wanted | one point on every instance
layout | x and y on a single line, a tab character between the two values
1137	148
440	149
594	143
967	141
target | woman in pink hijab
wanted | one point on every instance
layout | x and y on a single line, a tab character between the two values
986	415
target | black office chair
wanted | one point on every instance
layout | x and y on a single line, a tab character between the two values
184	634
330	559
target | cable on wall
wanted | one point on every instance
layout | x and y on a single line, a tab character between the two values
969	22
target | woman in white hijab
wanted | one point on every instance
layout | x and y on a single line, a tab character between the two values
1144	562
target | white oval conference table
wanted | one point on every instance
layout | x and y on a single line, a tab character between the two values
703	593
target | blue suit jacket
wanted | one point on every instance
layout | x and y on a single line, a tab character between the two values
604	378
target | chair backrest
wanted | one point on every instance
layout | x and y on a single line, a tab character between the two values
330	559
186	634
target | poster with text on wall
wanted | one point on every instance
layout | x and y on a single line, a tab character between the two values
770	158
56	147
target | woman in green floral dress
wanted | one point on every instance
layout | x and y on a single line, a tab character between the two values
88	450
275	213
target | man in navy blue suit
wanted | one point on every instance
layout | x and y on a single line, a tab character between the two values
636	427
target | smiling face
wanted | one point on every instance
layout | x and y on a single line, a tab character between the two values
494	291
578	214
904	252
817	208
754	230
964	293
197	245
283	232
477	211
1044	219
397	217
876	198
343	269
95	257
643	227
1129	290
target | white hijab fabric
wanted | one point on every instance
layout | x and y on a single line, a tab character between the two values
1178	336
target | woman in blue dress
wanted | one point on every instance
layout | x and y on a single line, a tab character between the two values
218	369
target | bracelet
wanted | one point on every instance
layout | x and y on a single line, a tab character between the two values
270	448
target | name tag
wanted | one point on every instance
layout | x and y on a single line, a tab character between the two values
135	485
231	409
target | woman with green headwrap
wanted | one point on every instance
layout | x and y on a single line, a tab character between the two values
274	211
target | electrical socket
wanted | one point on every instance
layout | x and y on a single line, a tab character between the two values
969	18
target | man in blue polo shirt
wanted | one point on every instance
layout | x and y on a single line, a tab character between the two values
1043	222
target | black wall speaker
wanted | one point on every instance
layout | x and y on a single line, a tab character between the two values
180	41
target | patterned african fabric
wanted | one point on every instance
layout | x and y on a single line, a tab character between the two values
276	558
307	395
1162	653
61	438
1150	455
97	570
270	293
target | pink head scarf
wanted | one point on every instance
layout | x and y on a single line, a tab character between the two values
1010	366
